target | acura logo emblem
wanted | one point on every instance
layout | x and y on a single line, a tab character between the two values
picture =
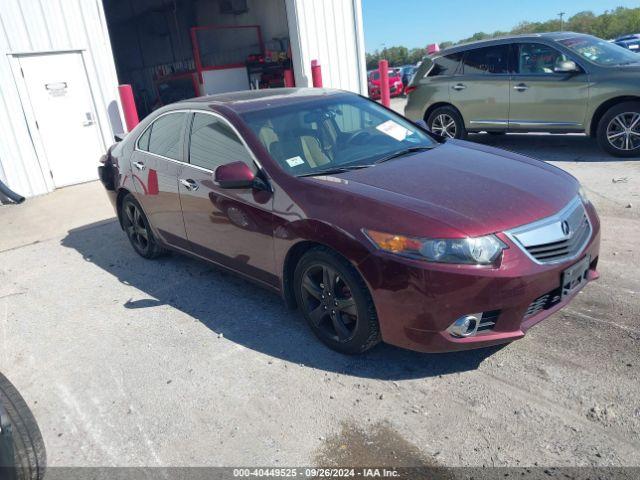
566	229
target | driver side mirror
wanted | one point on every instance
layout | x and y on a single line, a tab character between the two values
234	175
567	66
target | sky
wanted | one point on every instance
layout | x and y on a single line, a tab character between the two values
417	23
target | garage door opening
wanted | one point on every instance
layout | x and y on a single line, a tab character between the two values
169	50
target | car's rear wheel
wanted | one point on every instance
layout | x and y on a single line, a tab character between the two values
137	228
447	122
335	302
619	130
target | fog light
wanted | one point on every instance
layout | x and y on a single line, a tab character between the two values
465	326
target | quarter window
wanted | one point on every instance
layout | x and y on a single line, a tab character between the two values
164	136
446	65
537	59
213	143
487	60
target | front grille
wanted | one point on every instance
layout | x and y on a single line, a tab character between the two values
553	251
488	320
557	238
543	302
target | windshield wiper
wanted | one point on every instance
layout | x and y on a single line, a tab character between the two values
403	152
329	171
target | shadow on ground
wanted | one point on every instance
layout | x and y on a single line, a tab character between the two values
246	314
557	148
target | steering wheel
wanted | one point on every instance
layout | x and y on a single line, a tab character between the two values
362	134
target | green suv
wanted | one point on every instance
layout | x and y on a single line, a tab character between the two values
551	82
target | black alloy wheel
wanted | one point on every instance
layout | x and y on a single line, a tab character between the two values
329	303
138	231
336	302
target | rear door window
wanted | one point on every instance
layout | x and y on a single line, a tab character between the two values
487	61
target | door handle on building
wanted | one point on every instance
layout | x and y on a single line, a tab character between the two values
189	184
139	165
89	121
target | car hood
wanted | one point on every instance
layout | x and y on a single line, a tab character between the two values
472	189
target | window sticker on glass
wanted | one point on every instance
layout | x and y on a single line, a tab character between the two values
394	130
295	161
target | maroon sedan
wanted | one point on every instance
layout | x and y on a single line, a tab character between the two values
373	227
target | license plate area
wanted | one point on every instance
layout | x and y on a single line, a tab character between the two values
574	277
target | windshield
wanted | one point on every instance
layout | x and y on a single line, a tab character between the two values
600	51
344	132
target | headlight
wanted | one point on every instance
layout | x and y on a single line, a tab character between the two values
474	251
583	195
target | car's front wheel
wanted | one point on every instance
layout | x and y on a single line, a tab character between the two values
619	130
447	122
137	228
335	302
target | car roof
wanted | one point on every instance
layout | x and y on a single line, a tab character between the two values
555	36
249	100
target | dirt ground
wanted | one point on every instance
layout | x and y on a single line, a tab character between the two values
173	362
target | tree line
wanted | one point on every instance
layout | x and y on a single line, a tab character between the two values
609	25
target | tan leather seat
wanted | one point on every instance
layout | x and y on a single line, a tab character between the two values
268	136
312	151
305	146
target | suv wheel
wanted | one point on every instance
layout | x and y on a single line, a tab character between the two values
619	130
447	122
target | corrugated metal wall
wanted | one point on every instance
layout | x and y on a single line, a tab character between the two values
331	32
30	26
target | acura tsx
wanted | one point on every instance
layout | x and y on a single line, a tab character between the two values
374	227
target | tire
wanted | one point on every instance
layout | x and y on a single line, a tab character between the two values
610	126
441	118
340	312
136	226
22	451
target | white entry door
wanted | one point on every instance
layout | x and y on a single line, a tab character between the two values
60	97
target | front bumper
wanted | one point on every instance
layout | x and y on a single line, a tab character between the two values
417	301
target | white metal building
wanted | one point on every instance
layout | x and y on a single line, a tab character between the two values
62	61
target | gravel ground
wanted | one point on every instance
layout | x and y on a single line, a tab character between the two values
173	362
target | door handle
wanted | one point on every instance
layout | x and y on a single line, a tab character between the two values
459	86
189	184
139	165
89	120
521	87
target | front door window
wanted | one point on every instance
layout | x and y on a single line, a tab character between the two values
538	59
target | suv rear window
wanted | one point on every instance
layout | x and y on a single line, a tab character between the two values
487	60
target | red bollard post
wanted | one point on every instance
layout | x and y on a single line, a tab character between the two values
385	92
316	74
288	78
128	107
